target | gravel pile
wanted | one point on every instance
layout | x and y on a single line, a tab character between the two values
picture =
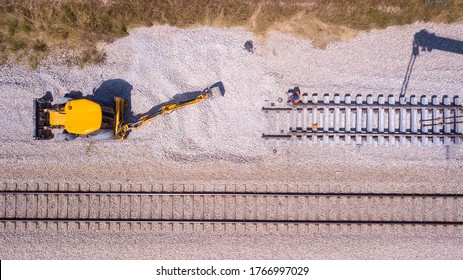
219	141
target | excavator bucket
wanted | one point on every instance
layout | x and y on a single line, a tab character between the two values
120	129
215	89
41	120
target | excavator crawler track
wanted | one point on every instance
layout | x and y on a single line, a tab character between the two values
41	120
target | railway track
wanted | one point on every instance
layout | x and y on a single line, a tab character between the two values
366	121
23	209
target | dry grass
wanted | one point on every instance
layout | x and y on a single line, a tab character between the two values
32	29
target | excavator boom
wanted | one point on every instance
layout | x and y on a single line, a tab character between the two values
122	129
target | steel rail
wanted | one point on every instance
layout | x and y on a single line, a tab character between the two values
362	134
333	105
236	221
317	194
441	118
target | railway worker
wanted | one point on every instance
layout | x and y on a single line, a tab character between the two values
295	96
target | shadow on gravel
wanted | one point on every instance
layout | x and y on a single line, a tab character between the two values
48	96
179	97
182	97
109	89
425	41
106	92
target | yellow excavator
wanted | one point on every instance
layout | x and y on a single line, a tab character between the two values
88	118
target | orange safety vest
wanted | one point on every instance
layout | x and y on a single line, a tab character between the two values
298	97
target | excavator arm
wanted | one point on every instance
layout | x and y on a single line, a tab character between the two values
123	129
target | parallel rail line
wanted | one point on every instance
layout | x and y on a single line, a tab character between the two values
190	221
315	194
365	121
225	208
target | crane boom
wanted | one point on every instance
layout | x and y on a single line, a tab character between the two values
430	41
425	41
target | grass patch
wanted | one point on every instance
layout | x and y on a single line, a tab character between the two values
16	46
93	56
39	46
33	61
34	28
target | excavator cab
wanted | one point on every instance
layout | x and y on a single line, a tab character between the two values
75	117
81	116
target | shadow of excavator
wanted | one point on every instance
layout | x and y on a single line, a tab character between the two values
105	94
180	98
425	41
